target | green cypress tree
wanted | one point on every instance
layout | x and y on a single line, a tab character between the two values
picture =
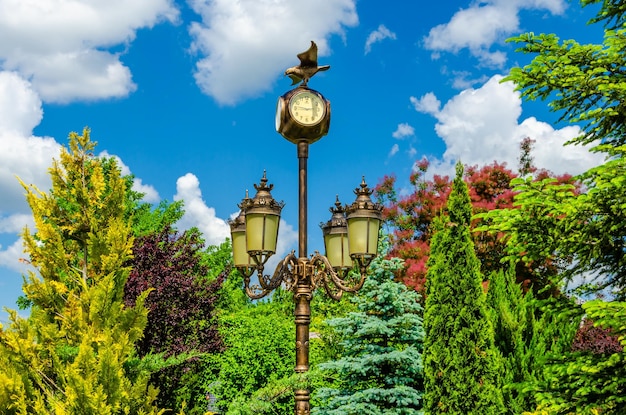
380	371
75	353
462	367
527	330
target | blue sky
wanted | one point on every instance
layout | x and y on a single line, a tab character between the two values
184	94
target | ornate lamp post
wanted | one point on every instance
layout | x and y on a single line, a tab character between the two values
350	236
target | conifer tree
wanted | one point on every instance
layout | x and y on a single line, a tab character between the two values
462	367
75	353
380	371
527	329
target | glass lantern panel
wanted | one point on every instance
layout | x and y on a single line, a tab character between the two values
240	253
363	235
337	250
262	232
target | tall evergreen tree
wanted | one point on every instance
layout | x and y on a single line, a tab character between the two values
75	353
380	371
526	330
462	367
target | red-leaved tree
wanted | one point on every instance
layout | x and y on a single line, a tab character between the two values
409	217
182	300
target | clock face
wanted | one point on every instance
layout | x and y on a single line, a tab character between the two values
307	108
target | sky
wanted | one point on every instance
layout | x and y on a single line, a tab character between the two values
183	93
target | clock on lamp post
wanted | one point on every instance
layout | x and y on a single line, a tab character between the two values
303	114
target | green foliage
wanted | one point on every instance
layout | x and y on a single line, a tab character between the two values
588	383
259	352
585	83
147	219
380	368
526	330
255	373
535	227
75	353
462	367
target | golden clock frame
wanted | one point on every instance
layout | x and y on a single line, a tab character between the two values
293	130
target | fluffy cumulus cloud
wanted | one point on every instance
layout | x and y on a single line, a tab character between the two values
377	36
26	157
198	213
481	125
245	45
482	24
63	47
404	130
22	155
12	256
427	103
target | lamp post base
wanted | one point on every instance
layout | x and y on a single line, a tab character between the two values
302	402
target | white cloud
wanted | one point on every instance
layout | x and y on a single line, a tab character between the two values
394	150
197	213
11	257
411	152
245	45
427	103
61	46
21	154
481	125
377	36
404	130
20	106
15	223
483	24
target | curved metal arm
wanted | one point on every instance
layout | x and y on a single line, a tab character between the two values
282	273
254	292
325	272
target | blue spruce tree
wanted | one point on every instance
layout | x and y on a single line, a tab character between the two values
380	369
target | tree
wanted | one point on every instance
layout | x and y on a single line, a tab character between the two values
411	217
259	340
182	303
182	299
586	382
380	369
462	367
247	385
75	353
526	330
585	84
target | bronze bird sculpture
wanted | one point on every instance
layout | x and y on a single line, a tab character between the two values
307	68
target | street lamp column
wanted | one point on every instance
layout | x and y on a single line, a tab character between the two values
350	236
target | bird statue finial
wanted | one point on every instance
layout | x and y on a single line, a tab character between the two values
307	68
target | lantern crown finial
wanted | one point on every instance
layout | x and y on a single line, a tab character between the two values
338	217
364	201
